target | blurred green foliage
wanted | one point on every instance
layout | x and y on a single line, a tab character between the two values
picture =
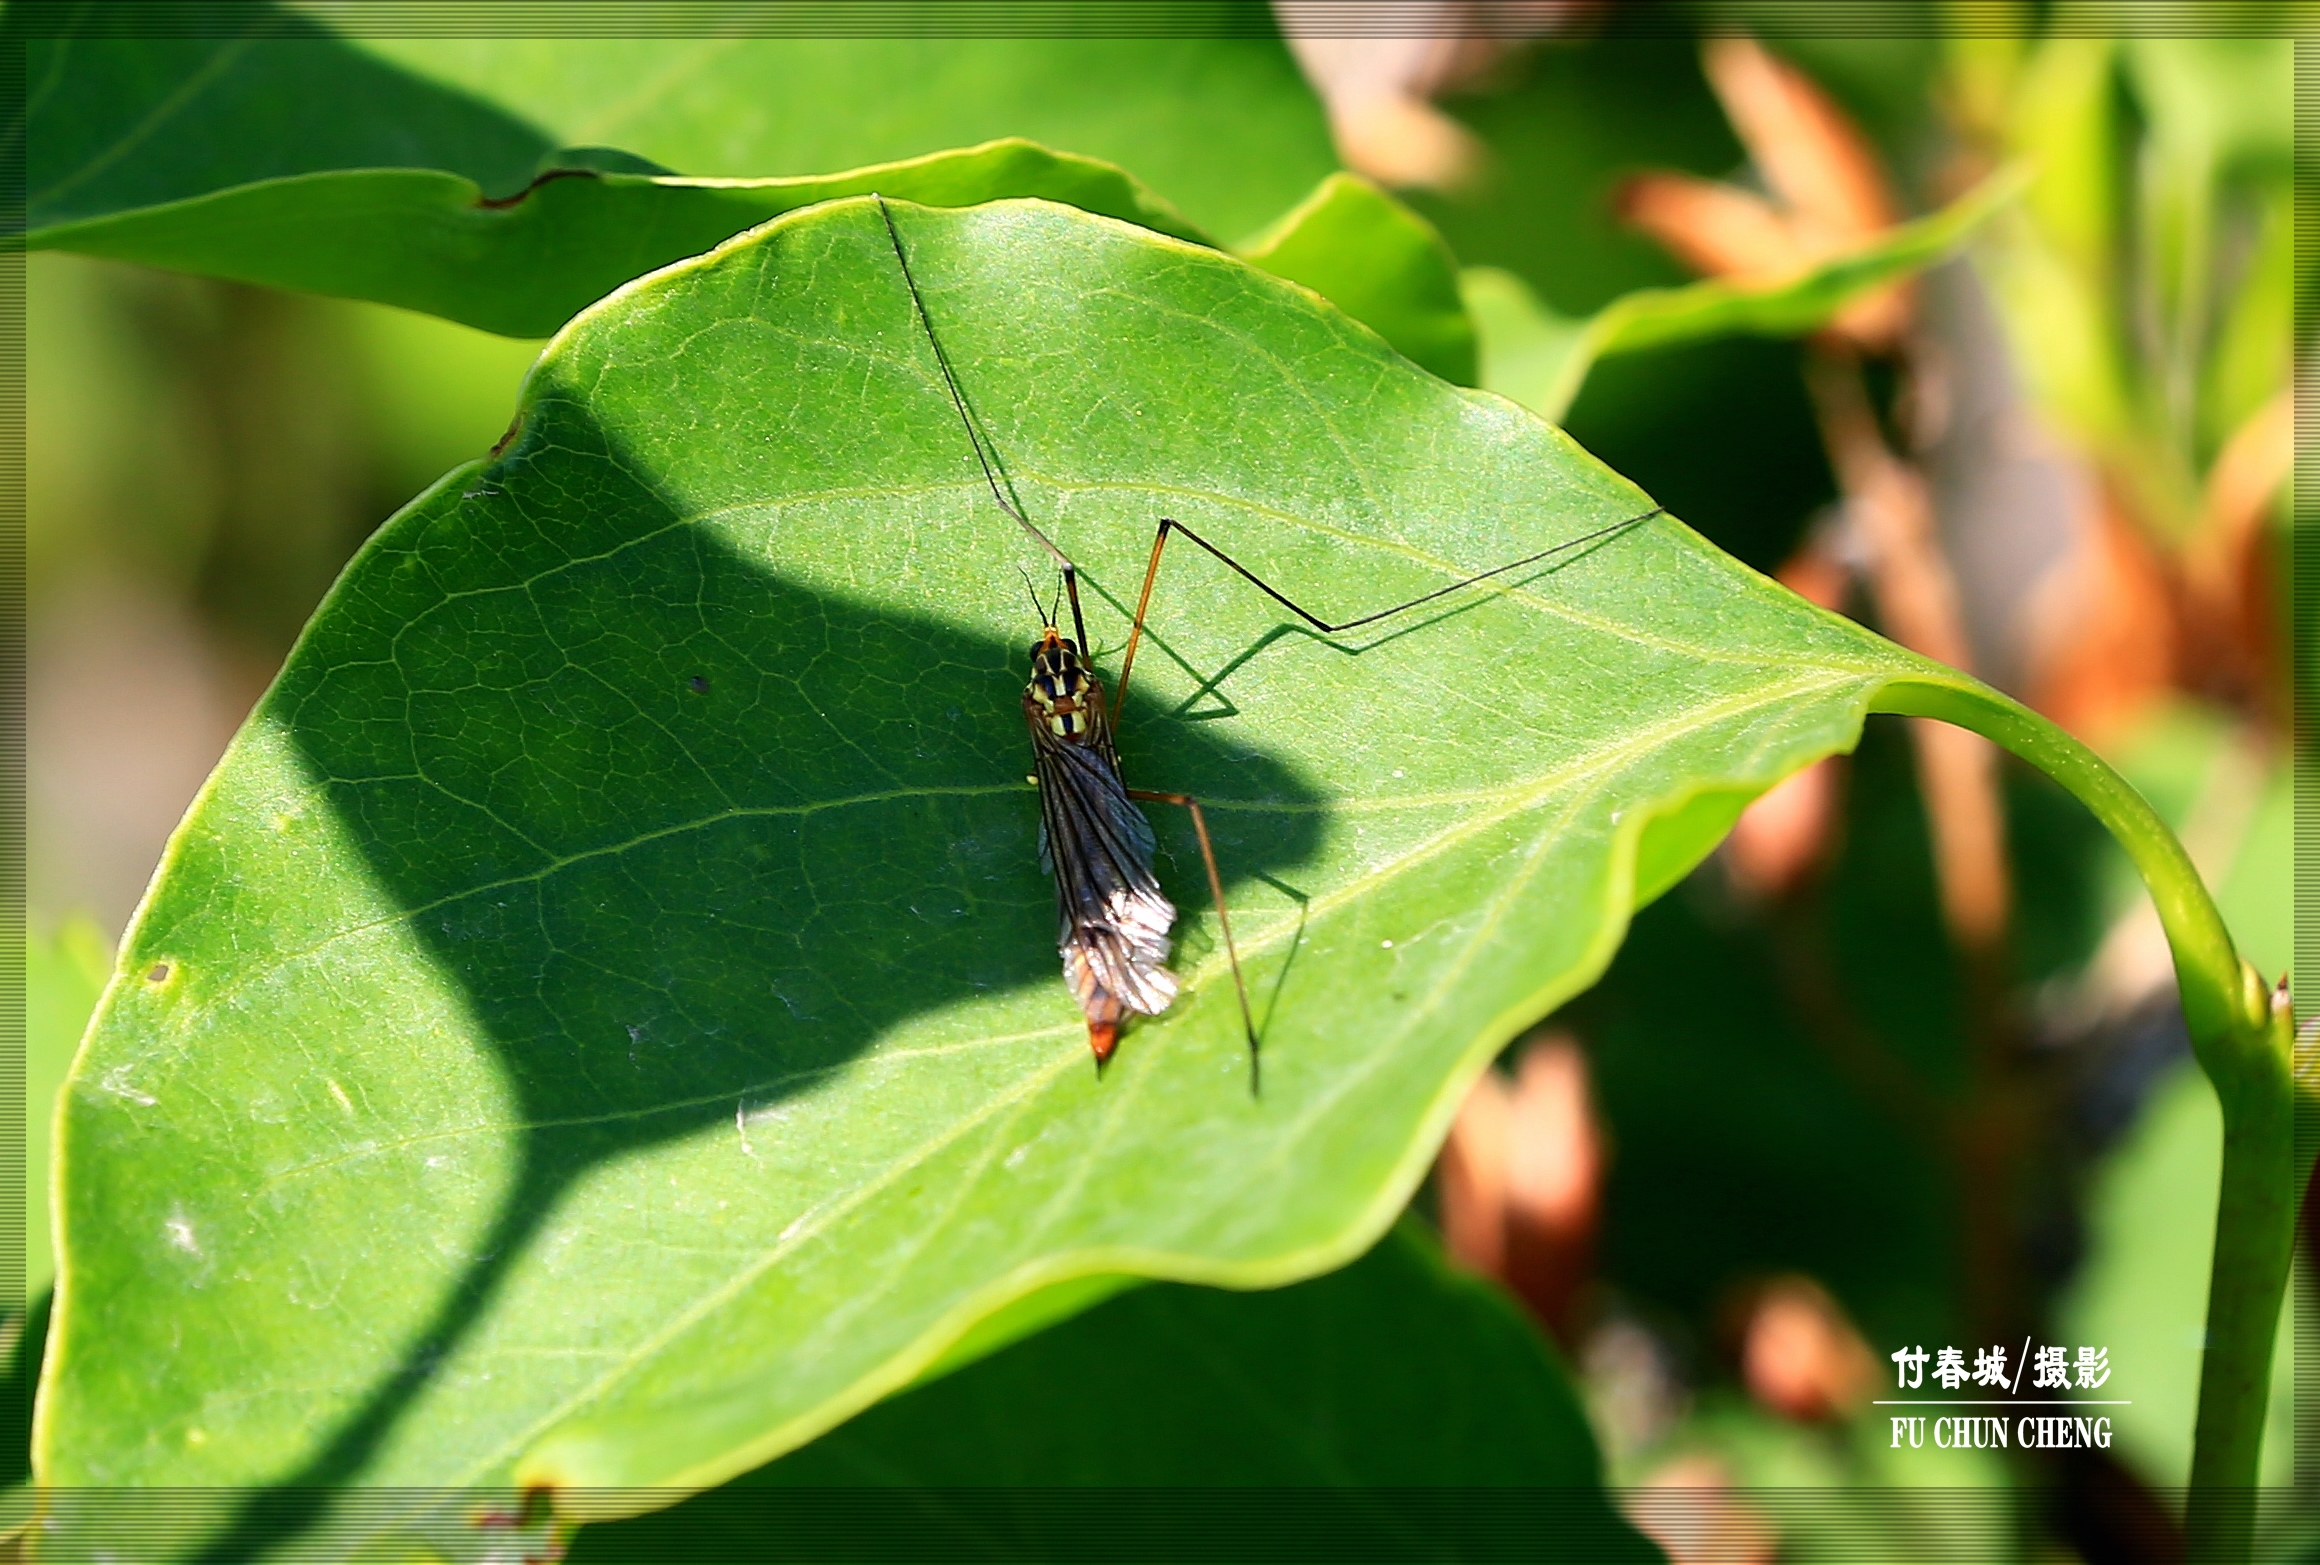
65	969
233	445
2147	285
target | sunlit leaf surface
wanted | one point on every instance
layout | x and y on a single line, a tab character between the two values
601	1024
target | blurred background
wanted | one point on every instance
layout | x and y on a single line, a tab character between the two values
1901	1066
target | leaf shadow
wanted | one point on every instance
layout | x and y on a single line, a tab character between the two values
687	838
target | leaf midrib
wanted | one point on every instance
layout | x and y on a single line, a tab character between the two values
818	1219
1513	799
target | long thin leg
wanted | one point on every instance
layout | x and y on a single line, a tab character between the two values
1070	570
1223	918
1168	525
1063	561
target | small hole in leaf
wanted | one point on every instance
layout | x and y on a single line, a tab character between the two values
700	684
158	973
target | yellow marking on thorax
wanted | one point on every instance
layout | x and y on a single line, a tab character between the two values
1063	699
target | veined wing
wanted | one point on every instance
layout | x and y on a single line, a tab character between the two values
1112	921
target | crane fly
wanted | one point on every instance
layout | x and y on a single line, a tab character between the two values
1112	919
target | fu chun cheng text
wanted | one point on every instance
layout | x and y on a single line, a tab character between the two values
2031	1432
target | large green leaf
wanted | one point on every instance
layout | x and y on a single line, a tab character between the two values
278	151
1224	125
239	93
420	176
426	240
600	1024
421	179
1365	1390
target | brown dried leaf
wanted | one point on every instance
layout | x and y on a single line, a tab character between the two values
1520	1180
1783	837
1717	230
1689	1509
1554	1182
1814	158
2232	612
1470	1178
2103	640
1801	1357
1404	142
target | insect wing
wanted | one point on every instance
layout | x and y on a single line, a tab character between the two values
1112	921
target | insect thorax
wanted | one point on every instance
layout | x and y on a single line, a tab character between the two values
1061	688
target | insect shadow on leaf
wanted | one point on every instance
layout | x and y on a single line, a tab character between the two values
735	932
725	911
1113	920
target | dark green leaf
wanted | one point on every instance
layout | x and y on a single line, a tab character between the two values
113	122
1392	1375
601	1024
280	152
524	265
1222	126
26	1334
419	180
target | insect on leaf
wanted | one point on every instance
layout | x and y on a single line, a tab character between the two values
600	1024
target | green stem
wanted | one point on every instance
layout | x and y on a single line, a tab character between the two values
2243	1034
2255	1235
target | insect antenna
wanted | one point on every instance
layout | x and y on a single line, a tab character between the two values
1046	614
983	456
